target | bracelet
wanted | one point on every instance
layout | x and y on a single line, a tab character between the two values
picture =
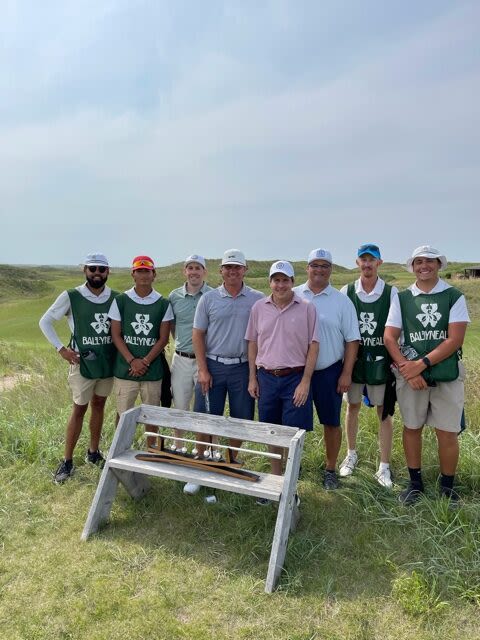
130	361
426	362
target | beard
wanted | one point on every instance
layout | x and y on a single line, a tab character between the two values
95	282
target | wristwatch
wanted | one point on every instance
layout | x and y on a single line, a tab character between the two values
426	362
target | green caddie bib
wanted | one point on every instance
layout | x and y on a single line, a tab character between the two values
91	336
425	320
140	327
373	361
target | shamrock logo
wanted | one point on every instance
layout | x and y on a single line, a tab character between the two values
102	323
430	314
367	323
142	324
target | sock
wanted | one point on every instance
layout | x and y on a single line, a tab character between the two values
351	452
384	466
329	470
446	483
416	476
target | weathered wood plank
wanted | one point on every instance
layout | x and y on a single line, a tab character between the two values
285	512
102	502
268	486
260	432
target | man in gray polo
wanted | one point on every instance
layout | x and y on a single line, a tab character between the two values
219	341
184	301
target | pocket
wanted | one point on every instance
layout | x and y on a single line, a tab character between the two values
376	371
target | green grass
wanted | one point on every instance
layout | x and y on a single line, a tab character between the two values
358	567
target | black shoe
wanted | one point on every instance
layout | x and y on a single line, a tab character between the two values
64	471
451	495
330	481
95	457
411	494
263	502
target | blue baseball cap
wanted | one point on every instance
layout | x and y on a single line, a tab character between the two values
372	249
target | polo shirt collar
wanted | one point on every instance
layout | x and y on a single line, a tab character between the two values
377	289
224	293
327	291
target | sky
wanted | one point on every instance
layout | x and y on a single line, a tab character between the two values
276	126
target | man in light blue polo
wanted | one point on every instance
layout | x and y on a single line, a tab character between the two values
219	341
184	301
339	338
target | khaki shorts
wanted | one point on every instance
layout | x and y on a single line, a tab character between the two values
376	393
127	391
440	407
84	388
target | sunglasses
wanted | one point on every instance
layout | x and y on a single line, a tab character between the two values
95	269
369	247
323	267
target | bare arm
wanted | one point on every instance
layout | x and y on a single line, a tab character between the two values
252	368
301	392
345	379
204	377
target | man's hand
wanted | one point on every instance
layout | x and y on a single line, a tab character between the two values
411	369
253	387
205	380
300	394
69	355
344	383
137	368
417	383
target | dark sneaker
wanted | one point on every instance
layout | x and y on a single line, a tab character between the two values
95	457
411	494
263	502
64	471
330	481
452	496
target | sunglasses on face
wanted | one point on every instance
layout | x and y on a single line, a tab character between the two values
95	269
323	267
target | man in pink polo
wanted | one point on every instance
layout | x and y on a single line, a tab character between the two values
282	352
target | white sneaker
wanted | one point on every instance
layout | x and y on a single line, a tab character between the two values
348	465
384	477
191	489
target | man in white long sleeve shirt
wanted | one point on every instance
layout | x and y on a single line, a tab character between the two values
90	354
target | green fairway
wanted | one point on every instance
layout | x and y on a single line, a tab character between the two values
359	566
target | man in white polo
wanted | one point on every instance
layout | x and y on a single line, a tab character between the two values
371	297
430	318
90	354
339	337
184	301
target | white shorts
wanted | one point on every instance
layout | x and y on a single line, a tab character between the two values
440	407
84	388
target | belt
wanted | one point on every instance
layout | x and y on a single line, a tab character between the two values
184	354
227	360
279	373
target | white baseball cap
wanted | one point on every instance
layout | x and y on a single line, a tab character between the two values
234	256
320	254
196	258
426	251
282	266
95	260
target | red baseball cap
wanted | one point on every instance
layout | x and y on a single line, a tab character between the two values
143	262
